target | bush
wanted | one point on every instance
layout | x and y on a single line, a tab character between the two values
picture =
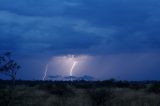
100	96
137	86
154	88
58	89
5	96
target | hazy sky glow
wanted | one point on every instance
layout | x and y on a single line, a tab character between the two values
63	65
118	38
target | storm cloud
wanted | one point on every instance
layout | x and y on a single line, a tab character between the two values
79	26
91	27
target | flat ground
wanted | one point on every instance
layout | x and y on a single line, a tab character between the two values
80	94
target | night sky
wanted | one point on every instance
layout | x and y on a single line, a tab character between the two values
109	38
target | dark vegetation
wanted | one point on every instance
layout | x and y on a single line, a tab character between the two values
80	93
8	66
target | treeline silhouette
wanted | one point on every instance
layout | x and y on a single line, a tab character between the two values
136	85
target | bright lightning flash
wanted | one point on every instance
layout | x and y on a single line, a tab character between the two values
45	73
68	62
72	68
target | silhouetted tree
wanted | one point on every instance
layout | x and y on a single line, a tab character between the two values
8	66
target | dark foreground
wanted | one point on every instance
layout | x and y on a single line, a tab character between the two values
80	93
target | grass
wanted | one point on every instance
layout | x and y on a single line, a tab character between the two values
66	94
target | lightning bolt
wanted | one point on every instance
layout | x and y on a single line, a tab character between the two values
72	68
45	73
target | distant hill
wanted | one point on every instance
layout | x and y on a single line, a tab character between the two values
58	77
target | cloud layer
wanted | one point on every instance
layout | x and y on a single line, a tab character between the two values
80	27
117	31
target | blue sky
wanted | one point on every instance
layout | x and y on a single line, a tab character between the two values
122	35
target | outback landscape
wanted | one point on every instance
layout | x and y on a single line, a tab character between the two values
79	52
80	93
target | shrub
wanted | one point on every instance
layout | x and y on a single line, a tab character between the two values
154	88
5	96
100	96
137	86
58	89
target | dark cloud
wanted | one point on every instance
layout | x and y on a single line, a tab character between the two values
61	27
79	26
